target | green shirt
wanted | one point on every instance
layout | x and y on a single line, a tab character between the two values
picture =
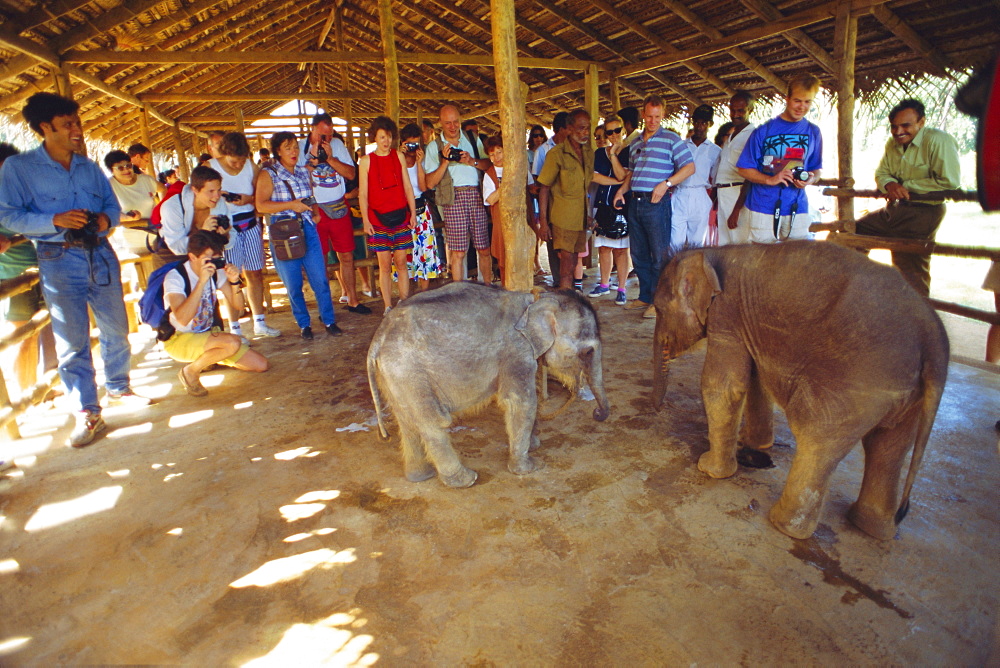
929	164
568	181
16	259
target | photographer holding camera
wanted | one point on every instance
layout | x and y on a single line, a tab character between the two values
62	202
197	338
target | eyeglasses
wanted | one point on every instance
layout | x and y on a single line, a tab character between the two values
612	132
538	136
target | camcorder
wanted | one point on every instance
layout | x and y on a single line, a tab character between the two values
454	155
86	236
231	197
222	222
219	262
801	173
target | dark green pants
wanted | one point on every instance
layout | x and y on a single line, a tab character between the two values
906	220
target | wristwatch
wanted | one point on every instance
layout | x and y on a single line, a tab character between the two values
669	184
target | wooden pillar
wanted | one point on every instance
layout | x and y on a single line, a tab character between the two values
345	80
144	134
60	81
845	43
391	64
240	125
182	163
518	238
591	98
614	91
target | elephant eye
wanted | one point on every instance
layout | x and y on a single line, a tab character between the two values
587	353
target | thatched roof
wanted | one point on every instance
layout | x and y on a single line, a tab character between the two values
119	55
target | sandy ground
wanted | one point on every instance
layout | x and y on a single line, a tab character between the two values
267	524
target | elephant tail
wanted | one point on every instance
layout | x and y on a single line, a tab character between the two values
373	386
933	378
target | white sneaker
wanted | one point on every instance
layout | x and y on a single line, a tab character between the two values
88	425
343	299
263	329
127	398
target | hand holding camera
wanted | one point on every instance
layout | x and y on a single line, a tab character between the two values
221	224
87	234
232	198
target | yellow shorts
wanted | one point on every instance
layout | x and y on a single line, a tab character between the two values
571	241
189	347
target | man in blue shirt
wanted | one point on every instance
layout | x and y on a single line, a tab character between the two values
781	158
660	162
63	202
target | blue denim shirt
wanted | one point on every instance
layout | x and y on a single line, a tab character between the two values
34	187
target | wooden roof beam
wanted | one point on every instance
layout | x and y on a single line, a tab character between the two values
897	26
292	95
797	37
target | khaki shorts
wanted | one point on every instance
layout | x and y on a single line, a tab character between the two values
571	241
187	347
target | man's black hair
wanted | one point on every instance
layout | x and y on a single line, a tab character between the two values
322	118
559	121
629	116
7	150
137	149
114	157
910	103
704	112
202	239
43	107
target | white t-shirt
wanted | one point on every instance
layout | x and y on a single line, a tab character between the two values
489	188
136	197
706	160
328	185
173	284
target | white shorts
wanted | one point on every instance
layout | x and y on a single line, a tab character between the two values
762	227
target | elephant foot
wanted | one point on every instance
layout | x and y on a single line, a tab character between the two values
463	478
755	446
524	465
872	523
715	466
793	522
420	474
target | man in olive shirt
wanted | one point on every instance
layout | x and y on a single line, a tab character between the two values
917	161
565	176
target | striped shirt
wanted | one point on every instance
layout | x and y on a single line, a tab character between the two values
657	159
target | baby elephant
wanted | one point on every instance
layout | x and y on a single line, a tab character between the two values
456	348
842	344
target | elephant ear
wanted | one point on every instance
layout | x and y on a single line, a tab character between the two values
699	285
538	325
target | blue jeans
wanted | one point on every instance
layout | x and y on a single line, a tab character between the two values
72	279
314	265
649	241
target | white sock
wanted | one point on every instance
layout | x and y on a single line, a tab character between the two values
258	320
234	327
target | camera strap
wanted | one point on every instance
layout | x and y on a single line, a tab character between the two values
777	215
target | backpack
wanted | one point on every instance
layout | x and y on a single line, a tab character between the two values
151	308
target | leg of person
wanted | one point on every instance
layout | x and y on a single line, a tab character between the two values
385	277
456	230
604	263
916	221
199	351
993	335
681	213
621	266
399	261
640	249
761	227
699	208
479	231
658	232
108	305
290	273
340	237
250	256
567	263
314	264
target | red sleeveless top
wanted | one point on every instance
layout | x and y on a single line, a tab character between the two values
385	182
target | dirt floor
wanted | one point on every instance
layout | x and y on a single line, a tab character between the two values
267	524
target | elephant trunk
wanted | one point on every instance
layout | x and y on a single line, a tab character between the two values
595	377
661	361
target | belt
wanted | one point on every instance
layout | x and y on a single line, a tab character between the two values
729	185
419	201
644	194
69	244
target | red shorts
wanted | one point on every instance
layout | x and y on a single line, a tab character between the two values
335	232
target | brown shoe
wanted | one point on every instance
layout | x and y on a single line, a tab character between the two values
650	312
637	304
194	388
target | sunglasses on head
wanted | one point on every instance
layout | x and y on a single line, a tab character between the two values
612	132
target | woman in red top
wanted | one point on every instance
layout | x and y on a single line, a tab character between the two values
387	206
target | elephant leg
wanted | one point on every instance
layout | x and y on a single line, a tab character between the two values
446	461
415	464
519	406
885	453
724	382
796	513
536	442
758	415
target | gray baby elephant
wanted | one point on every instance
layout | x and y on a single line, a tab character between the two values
456	348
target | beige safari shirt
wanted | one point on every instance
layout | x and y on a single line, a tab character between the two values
568	180
929	164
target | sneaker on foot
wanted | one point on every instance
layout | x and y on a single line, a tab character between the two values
343	299
599	291
127	398
307	333
263	329
638	304
360	308
192	387
386	311
367	293
333	330
88	425
620	299
650	312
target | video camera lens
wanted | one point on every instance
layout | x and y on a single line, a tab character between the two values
801	174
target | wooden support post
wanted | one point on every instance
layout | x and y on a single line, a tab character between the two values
240	124
615	93
845	42
391	61
591	98
145	136
345	80
182	163
518	239
60	81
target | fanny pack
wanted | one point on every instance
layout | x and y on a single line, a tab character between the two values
334	210
611	223
393	219
244	221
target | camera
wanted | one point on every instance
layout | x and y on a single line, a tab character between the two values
309	201
222	222
86	236
801	174
454	155
219	262
411	146
320	151
231	197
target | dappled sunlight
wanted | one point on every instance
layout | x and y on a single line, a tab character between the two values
8	566
328	642
120	473
327	495
11	645
290	568
134	430
211	379
176	531
54	514
309	534
300	511
245	404
171	476
289	455
186	419
28	446
149	388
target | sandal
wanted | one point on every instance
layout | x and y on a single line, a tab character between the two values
195	389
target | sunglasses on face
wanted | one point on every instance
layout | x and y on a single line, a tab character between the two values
538	136
612	132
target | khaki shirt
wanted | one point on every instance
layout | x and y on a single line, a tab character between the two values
568	181
929	164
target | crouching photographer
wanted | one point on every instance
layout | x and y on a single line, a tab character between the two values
192	333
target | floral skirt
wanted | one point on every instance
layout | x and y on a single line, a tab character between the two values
423	260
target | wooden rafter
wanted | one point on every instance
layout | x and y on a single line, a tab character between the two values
797	37
897	26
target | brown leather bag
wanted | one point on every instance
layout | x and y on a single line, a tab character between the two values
288	239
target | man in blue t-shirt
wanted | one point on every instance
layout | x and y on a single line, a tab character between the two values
781	158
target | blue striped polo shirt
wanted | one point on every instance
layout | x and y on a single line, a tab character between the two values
657	159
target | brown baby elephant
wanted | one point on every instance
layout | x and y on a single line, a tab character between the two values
841	343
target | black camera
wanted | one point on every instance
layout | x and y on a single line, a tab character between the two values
320	151
454	155
309	201
86	236
222	222
231	197
219	262
801	174
411	146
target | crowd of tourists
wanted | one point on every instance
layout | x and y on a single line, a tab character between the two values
428	200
